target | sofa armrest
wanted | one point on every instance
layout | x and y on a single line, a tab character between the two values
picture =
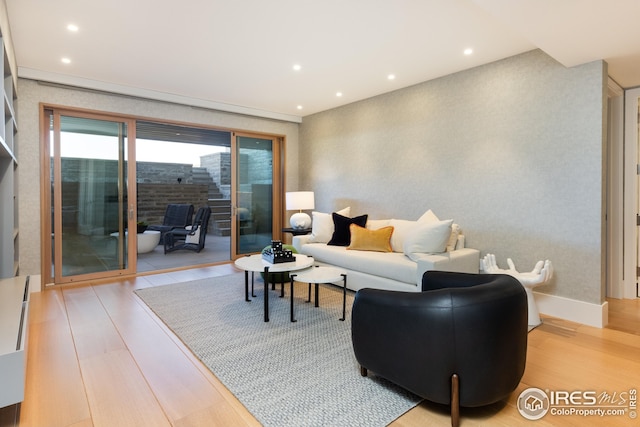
299	241
465	260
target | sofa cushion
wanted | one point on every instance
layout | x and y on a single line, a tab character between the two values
427	238
401	229
341	233
390	265
363	239
404	228
374	224
322	225
430	217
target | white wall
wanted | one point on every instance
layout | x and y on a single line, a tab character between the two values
31	94
512	151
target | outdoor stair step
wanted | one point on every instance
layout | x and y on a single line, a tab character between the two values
221	211
221	215
223	232
223	228
219	202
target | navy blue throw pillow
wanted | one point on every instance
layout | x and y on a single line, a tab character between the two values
341	233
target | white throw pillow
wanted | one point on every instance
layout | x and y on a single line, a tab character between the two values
322	225
401	229
429	217
428	238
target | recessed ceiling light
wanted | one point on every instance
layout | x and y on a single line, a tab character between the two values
391	77
66	61
299	107
297	67
338	94
468	51
72	27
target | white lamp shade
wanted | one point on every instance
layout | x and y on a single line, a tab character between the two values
299	200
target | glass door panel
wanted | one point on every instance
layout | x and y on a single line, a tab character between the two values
254	193
179	164
90	209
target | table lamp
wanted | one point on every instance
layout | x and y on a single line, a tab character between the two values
297	201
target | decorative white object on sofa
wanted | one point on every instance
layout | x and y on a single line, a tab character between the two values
542	272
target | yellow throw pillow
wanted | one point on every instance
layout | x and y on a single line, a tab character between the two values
363	239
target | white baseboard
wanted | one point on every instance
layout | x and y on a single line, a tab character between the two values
35	283
596	315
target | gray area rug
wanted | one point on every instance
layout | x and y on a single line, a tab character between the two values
285	374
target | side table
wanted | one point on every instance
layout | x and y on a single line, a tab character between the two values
297	231
255	263
317	275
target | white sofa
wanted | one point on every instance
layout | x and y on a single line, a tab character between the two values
396	270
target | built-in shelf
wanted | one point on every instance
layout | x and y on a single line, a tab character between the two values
5	151
9	218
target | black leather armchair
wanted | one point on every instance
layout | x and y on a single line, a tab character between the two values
462	341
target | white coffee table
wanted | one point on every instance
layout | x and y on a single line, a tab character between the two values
317	275
255	263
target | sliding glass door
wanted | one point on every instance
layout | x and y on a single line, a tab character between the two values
257	205
90	212
110	175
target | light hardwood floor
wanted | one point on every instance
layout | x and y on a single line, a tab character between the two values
97	356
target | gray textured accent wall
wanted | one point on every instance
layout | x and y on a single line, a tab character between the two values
32	93
512	151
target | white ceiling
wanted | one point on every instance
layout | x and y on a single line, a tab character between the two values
239	55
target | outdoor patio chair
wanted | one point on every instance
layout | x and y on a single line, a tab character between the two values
175	216
191	237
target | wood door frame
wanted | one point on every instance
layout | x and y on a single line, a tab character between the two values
46	113
277	185
631	164
613	192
